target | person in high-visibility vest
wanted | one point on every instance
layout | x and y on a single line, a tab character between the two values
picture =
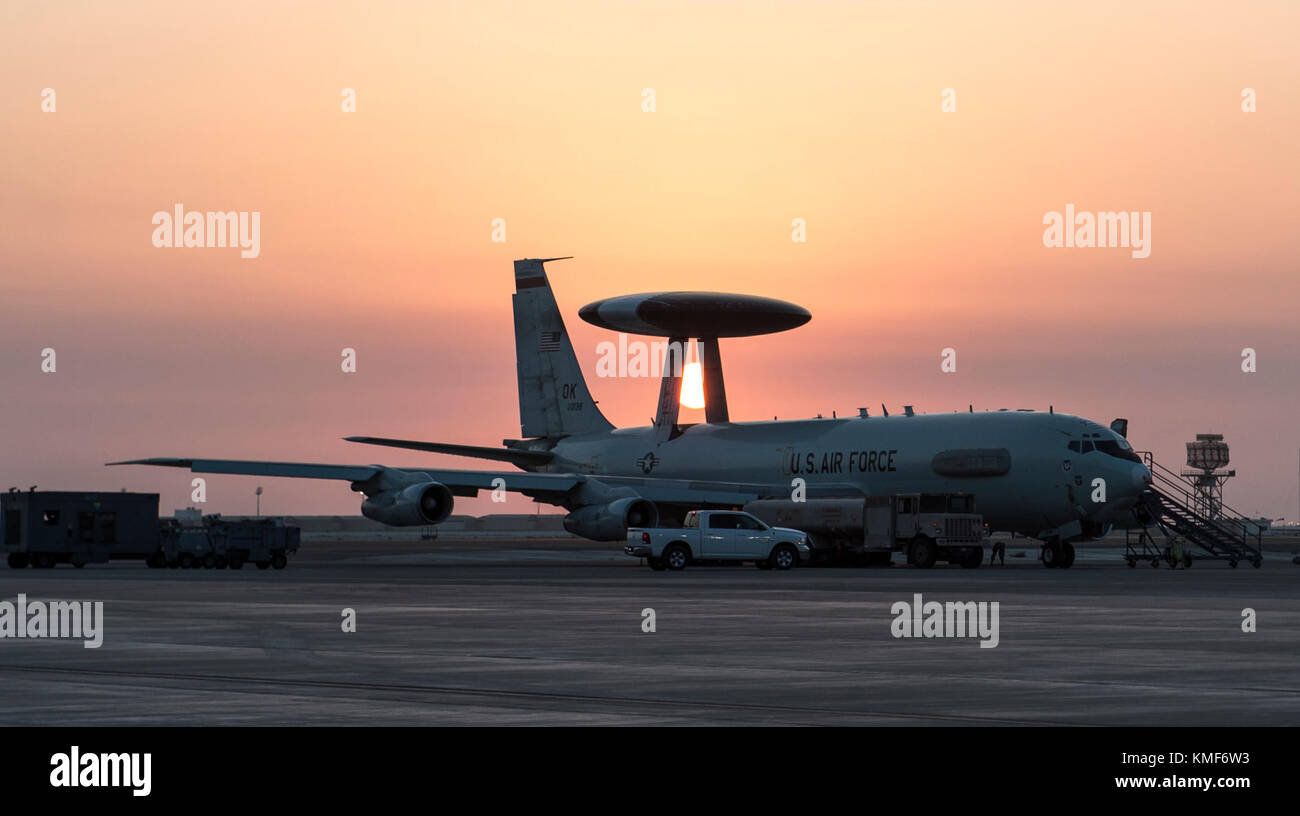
1176	549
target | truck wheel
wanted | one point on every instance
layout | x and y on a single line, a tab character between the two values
676	557
922	552
279	561
187	561
17	560
973	558
209	561
656	564
784	557
262	564
236	562
222	562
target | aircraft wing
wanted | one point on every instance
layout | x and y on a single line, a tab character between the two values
461	482
298	470
545	486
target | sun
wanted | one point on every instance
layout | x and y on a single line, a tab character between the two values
692	386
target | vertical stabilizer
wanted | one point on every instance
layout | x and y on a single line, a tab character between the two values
553	397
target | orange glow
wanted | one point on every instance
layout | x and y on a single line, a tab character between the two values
692	386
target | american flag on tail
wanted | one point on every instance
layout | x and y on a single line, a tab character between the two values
550	341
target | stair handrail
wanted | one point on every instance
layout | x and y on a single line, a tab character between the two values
1180	483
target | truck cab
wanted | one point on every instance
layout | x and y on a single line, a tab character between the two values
927	526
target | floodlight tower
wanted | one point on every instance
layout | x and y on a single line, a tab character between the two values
1206	458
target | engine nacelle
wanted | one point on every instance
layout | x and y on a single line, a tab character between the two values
410	506
609	522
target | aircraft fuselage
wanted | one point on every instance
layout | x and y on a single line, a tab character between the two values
1018	464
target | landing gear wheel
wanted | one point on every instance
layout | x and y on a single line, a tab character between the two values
1067	555
922	552
656	564
279	560
17	560
1052	554
973	558
676	557
784	557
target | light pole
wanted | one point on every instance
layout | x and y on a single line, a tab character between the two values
258	493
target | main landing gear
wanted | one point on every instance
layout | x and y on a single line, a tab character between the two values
1057	553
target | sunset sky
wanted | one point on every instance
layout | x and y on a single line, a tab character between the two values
924	227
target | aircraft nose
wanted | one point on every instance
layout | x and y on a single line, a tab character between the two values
1141	477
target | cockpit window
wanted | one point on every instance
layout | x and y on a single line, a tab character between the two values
1114	448
1087	446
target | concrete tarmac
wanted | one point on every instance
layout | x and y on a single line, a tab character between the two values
528	633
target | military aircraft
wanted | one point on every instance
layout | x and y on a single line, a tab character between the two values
1033	473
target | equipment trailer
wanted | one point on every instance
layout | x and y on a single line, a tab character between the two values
927	527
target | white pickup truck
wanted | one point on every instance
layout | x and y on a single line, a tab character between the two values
718	535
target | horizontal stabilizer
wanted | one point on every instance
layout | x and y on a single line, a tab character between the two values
522	458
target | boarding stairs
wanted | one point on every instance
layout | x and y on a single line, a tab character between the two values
1169	506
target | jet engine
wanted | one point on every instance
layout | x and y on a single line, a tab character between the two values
410	506
609	522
